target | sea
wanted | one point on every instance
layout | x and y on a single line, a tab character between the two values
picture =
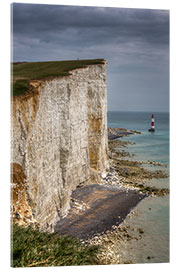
152	213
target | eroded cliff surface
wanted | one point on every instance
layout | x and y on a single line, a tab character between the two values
59	138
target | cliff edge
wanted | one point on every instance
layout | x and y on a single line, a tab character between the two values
59	139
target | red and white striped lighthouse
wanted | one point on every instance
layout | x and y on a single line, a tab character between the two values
152	129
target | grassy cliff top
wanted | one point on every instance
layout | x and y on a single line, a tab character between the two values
25	71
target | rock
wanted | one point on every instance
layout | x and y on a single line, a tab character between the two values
103	175
150	257
141	230
128	262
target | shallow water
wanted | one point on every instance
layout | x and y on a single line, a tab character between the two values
152	212
149	146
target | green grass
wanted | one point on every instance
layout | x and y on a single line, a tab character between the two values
20	87
23	72
33	248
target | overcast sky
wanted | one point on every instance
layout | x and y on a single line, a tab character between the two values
135	43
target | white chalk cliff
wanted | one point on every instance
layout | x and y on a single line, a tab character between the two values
59	138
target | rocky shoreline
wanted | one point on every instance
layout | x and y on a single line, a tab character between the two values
130	175
114	133
94	215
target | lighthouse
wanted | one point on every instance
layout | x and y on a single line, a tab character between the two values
152	129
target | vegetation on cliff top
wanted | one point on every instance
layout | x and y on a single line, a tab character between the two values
33	248
24	71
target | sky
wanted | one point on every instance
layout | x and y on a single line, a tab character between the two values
135	43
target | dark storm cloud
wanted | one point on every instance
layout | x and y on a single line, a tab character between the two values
134	41
44	21
131	34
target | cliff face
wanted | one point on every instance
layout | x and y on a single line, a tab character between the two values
59	138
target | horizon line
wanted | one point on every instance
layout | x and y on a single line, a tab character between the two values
138	111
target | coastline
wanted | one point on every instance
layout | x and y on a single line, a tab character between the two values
94	215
